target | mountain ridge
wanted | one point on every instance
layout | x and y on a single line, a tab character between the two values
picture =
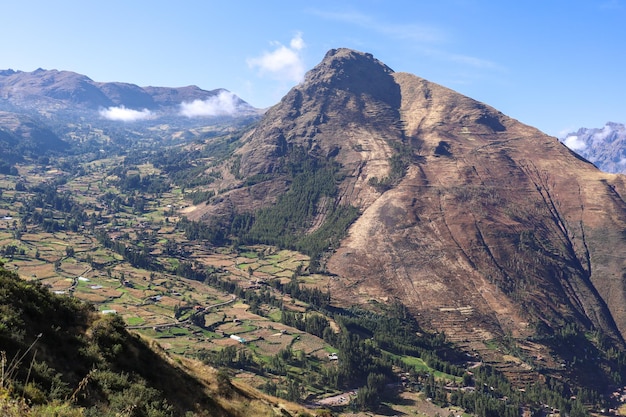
451	214
55	90
605	146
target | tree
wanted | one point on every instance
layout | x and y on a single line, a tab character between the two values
294	390
10	250
224	385
366	398
198	319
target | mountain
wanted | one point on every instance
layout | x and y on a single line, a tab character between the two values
22	135
481	226
63	109
52	91
605	147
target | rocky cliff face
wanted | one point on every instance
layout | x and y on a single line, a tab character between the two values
481	225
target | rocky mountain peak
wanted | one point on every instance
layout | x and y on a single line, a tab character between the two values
346	88
357	72
463	211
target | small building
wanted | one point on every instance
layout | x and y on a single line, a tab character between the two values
238	338
109	312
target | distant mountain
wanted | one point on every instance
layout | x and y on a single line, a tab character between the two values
52	91
56	108
480	225
22	135
605	147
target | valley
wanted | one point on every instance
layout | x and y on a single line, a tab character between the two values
83	235
374	243
236	319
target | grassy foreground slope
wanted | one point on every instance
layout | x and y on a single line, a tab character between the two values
60	357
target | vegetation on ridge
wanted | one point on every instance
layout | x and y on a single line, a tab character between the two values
61	357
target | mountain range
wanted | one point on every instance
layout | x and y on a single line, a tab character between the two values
605	147
47	91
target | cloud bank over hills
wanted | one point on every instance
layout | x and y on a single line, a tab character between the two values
223	104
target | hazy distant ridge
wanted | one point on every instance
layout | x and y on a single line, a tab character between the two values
605	146
53	90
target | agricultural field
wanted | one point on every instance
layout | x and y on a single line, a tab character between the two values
156	303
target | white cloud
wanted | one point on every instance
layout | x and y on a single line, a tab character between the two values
223	104
283	63
125	115
425	38
574	143
563	133
411	32
297	43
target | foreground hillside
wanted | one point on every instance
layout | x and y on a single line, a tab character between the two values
62	358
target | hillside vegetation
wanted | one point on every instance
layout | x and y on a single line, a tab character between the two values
61	358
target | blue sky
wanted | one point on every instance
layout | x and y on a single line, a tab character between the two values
554	64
